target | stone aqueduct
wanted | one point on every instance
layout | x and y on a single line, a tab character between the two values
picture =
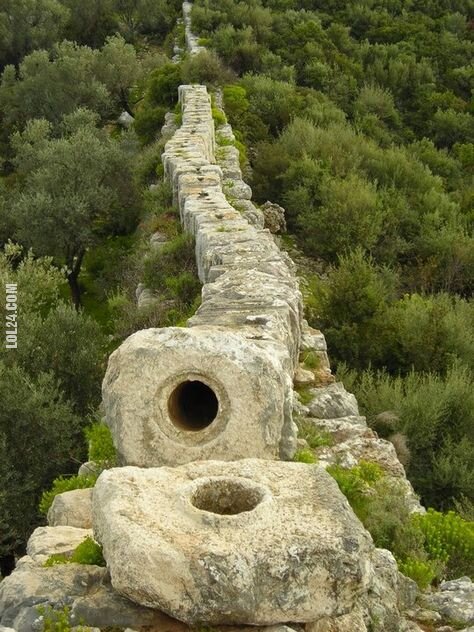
208	522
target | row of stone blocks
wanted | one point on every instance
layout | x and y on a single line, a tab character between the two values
218	537
229	534
222	387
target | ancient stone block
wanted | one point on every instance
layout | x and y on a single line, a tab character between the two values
72	509
47	541
177	395
247	542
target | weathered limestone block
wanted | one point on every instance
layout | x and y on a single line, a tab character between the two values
85	589
246	542
332	401
125	120
454	601
352	622
177	395
47	541
71	509
366	447
31	585
89	468
274	215
303	377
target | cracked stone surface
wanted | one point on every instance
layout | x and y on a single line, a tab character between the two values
246	542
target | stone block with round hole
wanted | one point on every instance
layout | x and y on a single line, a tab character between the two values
177	395
248	542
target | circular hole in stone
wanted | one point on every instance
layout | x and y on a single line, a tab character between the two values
226	497
193	405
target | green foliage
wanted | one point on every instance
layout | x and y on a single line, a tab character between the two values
48	384
55	620
88	552
205	67
44	421
61	485
448	538
422	572
310	359
428	546
148	123
305	394
58	620
436	414
162	88
171	270
101	446
353	308
314	437
27	25
218	116
305	455
75	189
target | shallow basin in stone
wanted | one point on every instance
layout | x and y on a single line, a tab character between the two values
247	542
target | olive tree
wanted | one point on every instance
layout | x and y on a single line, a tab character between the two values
74	190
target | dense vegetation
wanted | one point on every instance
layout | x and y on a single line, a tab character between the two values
357	118
76	215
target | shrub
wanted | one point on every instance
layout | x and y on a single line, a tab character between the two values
352	308
305	456
163	85
88	552
61	485
435	413
310	359
205	67
314	437
183	287
356	484
422	572
448	538
218	116
235	102
148	123
101	445
172	260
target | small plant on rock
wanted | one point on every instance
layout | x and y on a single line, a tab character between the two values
305	455
88	552
61	485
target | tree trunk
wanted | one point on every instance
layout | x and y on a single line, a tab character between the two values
75	290
124	101
73	280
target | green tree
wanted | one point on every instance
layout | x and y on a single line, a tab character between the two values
90	21
74	189
38	438
347	216
51	85
29	24
48	385
353	308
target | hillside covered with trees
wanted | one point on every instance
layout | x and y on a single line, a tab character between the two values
356	117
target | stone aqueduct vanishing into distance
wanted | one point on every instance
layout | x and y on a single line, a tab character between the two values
207	519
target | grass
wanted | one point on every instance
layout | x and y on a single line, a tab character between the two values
314	438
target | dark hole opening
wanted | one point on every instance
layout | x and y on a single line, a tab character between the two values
193	405
226	497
